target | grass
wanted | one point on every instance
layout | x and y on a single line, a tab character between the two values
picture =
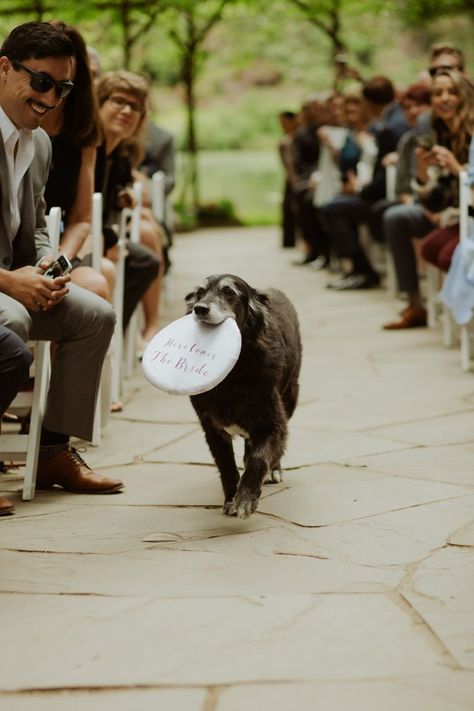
251	180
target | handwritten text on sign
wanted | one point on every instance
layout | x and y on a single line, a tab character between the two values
170	355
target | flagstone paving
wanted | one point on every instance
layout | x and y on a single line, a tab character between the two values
352	586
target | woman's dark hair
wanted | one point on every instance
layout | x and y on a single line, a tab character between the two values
378	90
419	93
36	40
81	123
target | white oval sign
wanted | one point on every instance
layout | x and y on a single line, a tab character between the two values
188	357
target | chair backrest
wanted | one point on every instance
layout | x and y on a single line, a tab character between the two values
465	200
96	231
390	180
53	222
158	196
136	213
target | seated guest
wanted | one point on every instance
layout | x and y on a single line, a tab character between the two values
345	213
306	150
331	136
443	56
440	157
15	361
74	129
122	106
357	156
288	123
35	67
415	102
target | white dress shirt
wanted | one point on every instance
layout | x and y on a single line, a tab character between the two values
19	150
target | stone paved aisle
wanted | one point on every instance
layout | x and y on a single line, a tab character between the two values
352	587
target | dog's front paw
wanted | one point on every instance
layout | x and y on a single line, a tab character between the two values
274	477
227	508
244	504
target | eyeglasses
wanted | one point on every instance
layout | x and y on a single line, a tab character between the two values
43	82
433	71
121	103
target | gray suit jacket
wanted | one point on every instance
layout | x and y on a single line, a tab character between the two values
32	241
159	154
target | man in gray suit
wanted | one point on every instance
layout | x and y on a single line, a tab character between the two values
35	70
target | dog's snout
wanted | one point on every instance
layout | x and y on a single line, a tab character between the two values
201	310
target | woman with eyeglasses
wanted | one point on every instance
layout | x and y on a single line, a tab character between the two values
440	156
123	98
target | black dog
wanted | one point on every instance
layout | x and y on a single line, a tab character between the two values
259	395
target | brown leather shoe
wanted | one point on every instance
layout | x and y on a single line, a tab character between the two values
411	317
6	506
69	470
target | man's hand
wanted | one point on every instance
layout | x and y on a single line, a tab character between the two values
35	291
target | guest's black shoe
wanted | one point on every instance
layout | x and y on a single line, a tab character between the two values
353	282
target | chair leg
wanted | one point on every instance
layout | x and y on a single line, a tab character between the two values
40	392
432	289
449	333
465	349
97	428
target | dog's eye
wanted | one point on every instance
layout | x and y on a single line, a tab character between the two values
228	292
199	293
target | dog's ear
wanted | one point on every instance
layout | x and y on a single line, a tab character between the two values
190	300
257	310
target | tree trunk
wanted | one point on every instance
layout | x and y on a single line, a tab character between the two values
191	183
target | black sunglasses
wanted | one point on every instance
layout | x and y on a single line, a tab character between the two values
42	82
433	71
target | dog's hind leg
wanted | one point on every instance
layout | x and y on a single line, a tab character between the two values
220	444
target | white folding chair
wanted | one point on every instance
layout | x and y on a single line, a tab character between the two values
390	194
465	201
158	196
130	342
117	352
97	251
26	446
163	213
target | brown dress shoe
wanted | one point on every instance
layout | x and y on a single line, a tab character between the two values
411	317
6	506
69	470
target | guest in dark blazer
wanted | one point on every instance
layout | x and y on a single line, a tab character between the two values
345	213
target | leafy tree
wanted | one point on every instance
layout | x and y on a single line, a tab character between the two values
34	9
191	23
327	16
419	11
135	19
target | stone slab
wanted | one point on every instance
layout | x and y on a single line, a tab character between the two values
388	541
463	537
105	700
208	641
436	431
152	405
338	696
442	592
126	442
450	464
350	494
305	447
